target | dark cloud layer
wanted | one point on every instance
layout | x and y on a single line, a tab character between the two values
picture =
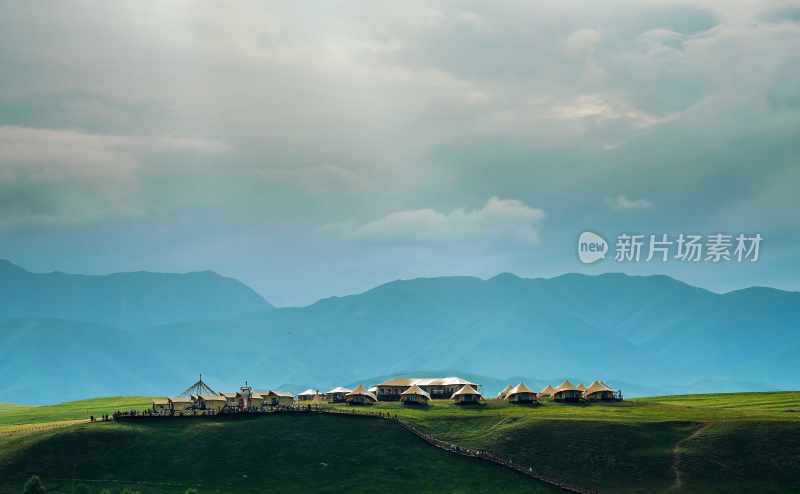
312	150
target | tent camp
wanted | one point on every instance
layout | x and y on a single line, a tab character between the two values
547	392
466	395
598	391
503	392
308	395
521	394
360	396
415	395
212	403
336	395
567	391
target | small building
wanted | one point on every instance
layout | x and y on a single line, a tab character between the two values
308	395
231	400
276	398
181	403
466	395
247	399
521	394
336	395
503	392
439	388
211	403
161	406
415	395
360	396
547	392
567	391
599	391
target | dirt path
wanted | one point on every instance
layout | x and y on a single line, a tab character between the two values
676	456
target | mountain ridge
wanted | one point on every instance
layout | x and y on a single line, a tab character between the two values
648	332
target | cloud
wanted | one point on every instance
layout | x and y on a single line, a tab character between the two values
622	202
499	220
57	177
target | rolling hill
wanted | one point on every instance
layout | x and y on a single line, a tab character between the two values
646	334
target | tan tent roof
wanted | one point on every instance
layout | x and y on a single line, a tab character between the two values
211	398
339	390
283	394
503	392
181	399
547	391
466	390
228	395
161	401
360	391
566	386
518	389
416	390
581	387
597	387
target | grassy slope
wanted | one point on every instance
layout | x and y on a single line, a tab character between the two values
628	446
751	442
22	414
279	453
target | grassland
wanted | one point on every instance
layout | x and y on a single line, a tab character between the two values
279	453
747	442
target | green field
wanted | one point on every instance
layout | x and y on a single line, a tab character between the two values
747	442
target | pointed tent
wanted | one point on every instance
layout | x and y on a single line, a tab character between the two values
467	394
360	395
567	391
521	393
415	394
502	394
547	391
197	389
599	390
581	388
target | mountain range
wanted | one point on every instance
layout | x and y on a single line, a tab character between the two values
74	336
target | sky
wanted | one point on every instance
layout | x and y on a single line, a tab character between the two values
313	149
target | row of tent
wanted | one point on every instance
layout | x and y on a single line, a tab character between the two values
246	399
411	395
566	391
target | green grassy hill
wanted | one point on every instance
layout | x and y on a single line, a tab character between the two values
746	442
278	453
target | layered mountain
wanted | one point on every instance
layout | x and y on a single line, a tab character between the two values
648	335
124	300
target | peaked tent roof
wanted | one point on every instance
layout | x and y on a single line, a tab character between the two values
416	390
211	398
547	391
339	389
181	399
518	389
566	386
466	390
503	392
597	387
360	391
197	389
581	387
309	392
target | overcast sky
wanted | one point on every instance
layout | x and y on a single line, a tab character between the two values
322	148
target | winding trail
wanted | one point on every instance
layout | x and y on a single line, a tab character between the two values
676	456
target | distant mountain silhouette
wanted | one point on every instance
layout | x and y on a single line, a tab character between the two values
646	334
125	300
